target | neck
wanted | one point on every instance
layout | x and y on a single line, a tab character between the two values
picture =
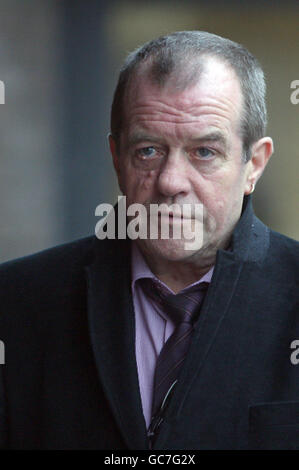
178	274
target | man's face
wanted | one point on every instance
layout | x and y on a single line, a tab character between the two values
184	147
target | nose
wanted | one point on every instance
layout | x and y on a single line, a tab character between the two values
174	176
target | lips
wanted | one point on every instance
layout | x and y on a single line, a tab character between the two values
171	215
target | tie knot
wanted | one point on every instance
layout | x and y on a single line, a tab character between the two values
182	307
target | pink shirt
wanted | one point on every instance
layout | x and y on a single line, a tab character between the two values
153	328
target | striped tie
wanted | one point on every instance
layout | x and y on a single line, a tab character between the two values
183	309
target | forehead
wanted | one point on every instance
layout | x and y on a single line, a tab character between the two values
217	95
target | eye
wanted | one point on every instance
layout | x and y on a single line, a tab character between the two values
204	152
146	152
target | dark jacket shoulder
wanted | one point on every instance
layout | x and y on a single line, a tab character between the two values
47	262
46	278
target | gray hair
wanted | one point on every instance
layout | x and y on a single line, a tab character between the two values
180	55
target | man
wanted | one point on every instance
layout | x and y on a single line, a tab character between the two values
85	324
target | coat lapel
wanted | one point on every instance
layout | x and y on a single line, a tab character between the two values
112	331
224	285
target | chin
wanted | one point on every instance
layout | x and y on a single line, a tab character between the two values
171	250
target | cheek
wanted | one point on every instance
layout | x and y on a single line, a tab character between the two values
147	179
138	184
214	212
223	200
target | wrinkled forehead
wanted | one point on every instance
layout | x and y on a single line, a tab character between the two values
214	82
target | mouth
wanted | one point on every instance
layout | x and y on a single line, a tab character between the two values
173	215
172	219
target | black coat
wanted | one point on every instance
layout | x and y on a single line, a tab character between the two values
70	377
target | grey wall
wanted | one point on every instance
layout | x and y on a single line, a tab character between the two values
54	161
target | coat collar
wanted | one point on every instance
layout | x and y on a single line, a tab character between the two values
250	239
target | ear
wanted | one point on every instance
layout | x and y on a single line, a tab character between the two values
260	155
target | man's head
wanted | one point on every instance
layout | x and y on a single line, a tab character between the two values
183	118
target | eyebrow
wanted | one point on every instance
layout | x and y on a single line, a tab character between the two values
142	137
212	136
215	136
